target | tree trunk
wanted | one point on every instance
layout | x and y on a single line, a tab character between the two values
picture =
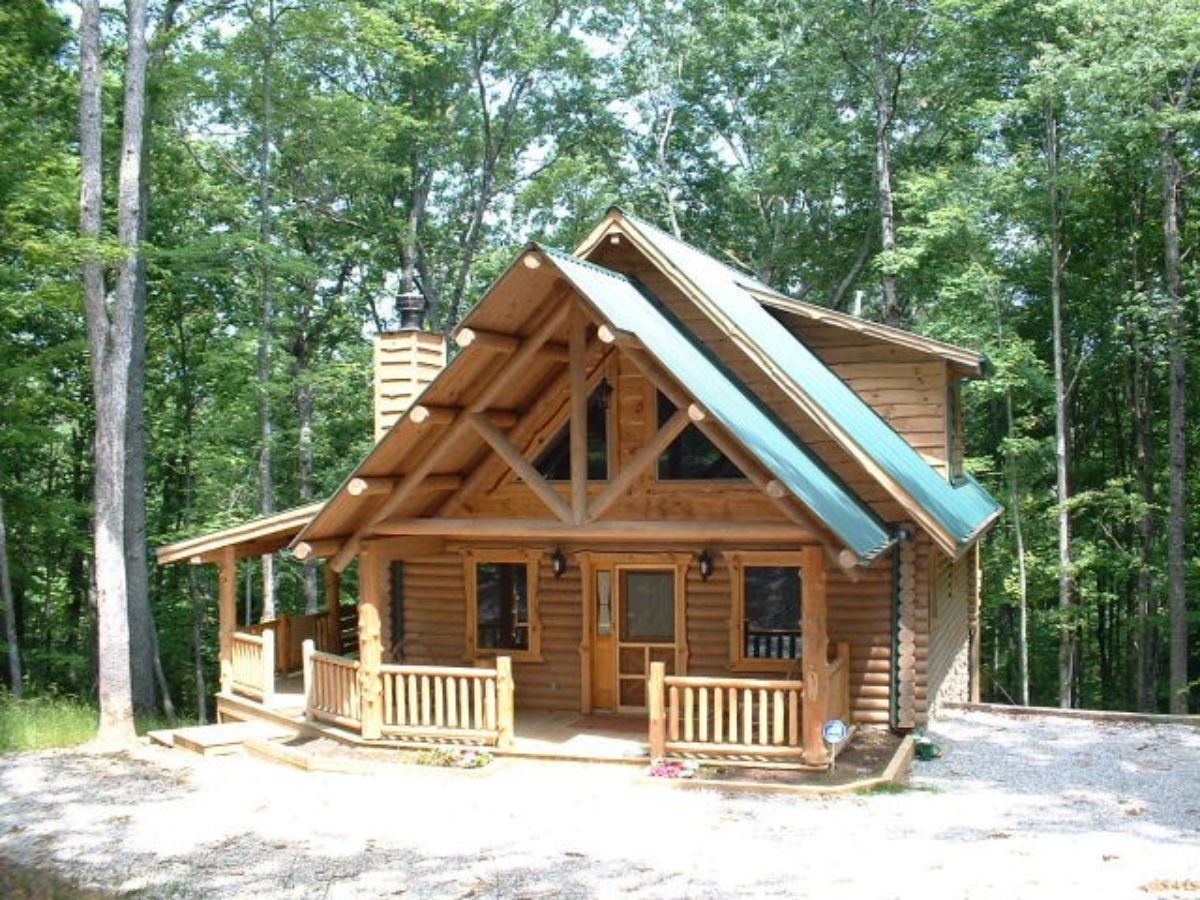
1146	680
1066	586
304	406
1177	427
266	278
1014	495
199	603
110	339
10	612
893	314
141	621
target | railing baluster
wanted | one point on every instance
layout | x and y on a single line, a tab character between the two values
764	735
674	713
478	693
703	713
688	713
452	702
718	709
733	716
777	731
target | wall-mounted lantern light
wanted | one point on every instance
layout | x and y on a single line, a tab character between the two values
558	563
706	564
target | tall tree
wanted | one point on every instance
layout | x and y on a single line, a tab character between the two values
110	338
10	613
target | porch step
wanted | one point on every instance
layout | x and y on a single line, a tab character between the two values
227	737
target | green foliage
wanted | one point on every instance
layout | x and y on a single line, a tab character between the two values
39	723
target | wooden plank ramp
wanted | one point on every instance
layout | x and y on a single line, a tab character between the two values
227	737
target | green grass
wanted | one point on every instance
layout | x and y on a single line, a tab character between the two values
40	722
52	720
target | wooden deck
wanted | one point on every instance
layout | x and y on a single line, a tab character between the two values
538	734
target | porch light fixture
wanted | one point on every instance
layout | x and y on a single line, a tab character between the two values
706	565
558	563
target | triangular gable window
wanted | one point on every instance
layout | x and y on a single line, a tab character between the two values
554	463
692	456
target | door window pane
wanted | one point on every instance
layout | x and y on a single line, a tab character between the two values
648	607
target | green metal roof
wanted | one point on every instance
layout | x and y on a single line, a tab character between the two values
631	309
962	508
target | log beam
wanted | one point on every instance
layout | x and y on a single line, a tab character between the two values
577	368
519	464
642	460
369	487
456	430
613	530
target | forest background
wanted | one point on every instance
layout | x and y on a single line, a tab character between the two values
1011	176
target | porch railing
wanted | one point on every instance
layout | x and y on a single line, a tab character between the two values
331	687
724	716
752	718
428	702
422	703
322	628
254	664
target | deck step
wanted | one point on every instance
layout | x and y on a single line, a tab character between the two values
165	736
227	737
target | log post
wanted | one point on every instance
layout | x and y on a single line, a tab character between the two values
655	698
816	658
268	665
306	652
333	609
227	614
844	700
505	716
370	645
283	644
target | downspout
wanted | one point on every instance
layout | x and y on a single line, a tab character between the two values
894	680
900	535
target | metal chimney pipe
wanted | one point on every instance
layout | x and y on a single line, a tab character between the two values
411	308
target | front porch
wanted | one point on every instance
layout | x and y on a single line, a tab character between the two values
737	721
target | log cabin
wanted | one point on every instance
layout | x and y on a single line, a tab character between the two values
647	486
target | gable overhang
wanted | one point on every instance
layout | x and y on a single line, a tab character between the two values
256	537
954	515
532	297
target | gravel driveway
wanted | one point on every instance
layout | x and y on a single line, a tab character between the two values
1016	808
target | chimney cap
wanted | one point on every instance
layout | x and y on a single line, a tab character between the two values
410	306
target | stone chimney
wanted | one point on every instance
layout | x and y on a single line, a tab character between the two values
405	362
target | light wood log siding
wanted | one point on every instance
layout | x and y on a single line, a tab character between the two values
435	616
907	388
859	613
949	609
405	362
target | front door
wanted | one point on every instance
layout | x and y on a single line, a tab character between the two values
645	630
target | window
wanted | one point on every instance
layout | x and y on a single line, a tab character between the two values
768	592
692	456
502	604
554	463
648	606
954	433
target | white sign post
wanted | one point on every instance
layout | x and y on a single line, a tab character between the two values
835	733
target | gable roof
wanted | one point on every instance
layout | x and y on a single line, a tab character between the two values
253	538
953	513
630	309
